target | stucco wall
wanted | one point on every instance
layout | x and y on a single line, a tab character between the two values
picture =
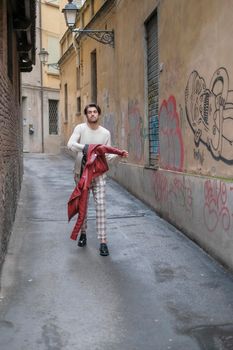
31	113
68	76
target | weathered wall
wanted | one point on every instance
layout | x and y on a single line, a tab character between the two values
193	186
195	119
11	167
197	77
31	114
68	76
42	83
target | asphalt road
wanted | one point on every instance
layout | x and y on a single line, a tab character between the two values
157	290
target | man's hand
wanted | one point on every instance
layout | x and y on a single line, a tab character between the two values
125	154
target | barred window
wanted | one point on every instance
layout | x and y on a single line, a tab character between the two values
153	88
53	117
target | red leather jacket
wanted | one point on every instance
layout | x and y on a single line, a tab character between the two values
95	166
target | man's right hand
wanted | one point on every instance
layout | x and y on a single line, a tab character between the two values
85	150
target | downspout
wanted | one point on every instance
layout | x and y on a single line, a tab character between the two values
41	84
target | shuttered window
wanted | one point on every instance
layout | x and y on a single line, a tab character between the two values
93	77
54	53
153	88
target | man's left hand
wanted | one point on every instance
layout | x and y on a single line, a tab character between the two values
125	154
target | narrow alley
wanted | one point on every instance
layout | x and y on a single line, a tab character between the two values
157	290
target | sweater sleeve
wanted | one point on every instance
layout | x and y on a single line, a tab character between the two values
110	157
73	143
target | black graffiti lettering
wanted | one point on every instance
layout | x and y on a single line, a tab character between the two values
210	113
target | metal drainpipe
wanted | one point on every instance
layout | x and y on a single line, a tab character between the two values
41	84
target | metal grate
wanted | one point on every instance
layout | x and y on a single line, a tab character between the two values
53	117
153	88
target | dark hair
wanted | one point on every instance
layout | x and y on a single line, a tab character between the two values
92	105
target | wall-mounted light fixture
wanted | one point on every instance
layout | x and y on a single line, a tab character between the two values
71	12
44	55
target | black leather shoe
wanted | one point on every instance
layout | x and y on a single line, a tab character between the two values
82	240
104	249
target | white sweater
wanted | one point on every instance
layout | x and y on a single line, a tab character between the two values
83	135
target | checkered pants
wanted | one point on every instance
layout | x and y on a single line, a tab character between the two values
98	188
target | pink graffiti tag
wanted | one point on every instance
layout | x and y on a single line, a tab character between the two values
134	128
171	141
215	207
160	187
182	193
174	192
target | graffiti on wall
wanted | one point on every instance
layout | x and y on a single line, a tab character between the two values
135	131
160	187
210	113
216	212
171	141
175	192
198	155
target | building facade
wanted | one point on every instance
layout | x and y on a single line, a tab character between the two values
17	54
41	88
165	90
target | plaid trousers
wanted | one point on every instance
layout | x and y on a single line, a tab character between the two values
98	188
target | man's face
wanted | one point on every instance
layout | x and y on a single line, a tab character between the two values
92	115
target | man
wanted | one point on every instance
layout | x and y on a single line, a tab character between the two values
83	135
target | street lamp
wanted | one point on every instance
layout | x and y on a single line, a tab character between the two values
44	55
71	12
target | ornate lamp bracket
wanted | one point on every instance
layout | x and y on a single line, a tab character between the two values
103	36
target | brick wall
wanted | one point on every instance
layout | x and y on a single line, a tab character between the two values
11	159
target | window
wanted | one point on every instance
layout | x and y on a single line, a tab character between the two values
153	87
78	105
52	2
54	52
53	117
66	102
93	77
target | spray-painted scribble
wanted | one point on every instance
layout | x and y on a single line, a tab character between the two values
160	187
135	131
171	141
181	192
174	193
216	210
198	155
210	113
